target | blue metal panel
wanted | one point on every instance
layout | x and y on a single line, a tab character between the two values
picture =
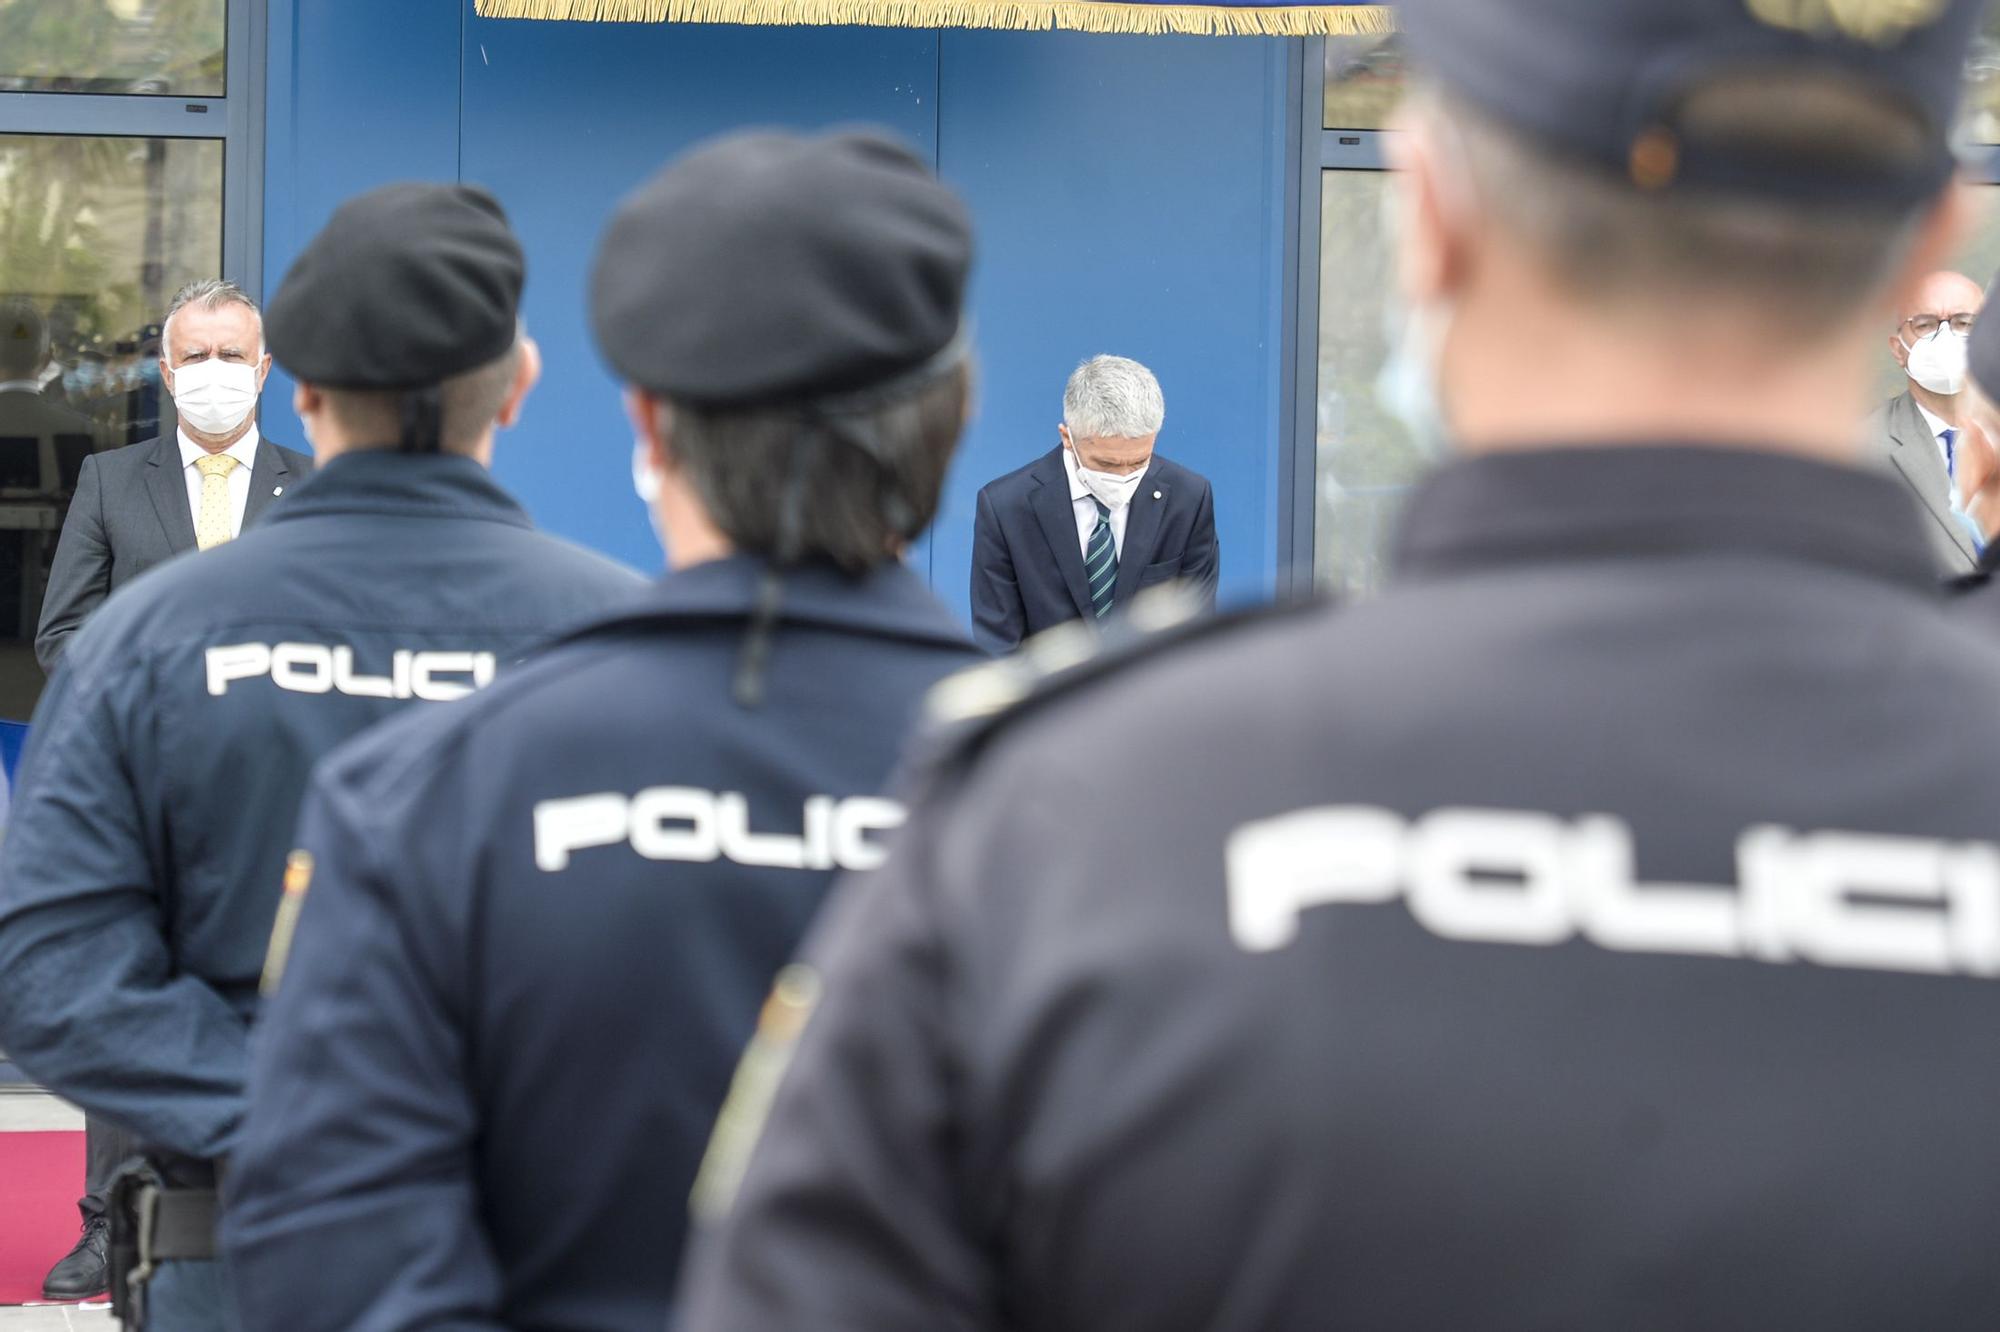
360	93
1129	194
561	119
1130	197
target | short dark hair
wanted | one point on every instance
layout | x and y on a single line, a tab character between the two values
468	404
1608	239
741	462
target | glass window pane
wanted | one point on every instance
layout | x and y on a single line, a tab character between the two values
96	234
1367	461
150	47
1364	81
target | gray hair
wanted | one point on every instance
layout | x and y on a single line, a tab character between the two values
1111	397
208	294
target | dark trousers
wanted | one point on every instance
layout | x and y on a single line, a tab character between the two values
105	1148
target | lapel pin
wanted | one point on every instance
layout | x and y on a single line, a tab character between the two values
1156	494
281	490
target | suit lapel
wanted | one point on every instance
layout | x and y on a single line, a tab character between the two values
1142	534
1916	456
1051	503
170	496
266	475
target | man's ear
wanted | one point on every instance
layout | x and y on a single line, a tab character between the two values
263	370
1430	249
527	374
307	400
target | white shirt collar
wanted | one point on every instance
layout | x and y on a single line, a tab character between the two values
1937	423
243	450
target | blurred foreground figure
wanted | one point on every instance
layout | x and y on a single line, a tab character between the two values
539	930
1597	931
144	859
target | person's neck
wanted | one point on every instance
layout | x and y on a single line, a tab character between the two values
1521	384
690	536
1944	406
213	444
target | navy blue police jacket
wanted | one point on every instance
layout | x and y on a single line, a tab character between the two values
537	935
1599	929
148	837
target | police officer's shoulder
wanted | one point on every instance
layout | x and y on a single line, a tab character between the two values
967	711
566	559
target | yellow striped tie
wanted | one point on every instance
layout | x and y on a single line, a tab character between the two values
212	525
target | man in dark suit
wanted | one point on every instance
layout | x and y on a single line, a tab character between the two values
1083	529
134	508
1917	433
137	506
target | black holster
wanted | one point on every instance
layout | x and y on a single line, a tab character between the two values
153	1222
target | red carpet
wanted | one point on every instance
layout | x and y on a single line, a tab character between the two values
40	1174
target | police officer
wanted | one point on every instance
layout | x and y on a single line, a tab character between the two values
1598	930
143	861
538	929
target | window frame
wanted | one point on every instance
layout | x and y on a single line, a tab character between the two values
1315	150
236	118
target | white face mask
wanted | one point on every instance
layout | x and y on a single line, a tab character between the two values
646	485
1938	361
1111	489
214	396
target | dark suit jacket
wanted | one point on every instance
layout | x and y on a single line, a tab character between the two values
1027	564
129	514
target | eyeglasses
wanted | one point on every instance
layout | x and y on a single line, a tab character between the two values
1925	325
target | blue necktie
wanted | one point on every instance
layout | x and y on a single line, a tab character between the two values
1950	438
1100	561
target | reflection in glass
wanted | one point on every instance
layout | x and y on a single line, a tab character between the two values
96	234
153	47
1367	461
1364	81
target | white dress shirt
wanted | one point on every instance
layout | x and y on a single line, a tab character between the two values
244	451
1085	505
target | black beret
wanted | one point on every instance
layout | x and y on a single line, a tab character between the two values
405	287
769	267
1601	79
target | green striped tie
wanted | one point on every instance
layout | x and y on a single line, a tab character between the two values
1101	562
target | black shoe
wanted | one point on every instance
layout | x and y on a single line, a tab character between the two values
85	1271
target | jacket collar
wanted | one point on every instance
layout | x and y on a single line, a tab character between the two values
384	481
1571	504
889	601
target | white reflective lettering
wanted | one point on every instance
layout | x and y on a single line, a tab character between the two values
243	661
1618	913
819	833
1832	928
853	820
563	827
1494	875
346	681
738	843
428	666
316	668
687	824
1315	857
303	668
675	823
1837	899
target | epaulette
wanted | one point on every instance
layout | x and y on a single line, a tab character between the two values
964	710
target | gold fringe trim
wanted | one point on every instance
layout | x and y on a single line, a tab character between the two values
1023	15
